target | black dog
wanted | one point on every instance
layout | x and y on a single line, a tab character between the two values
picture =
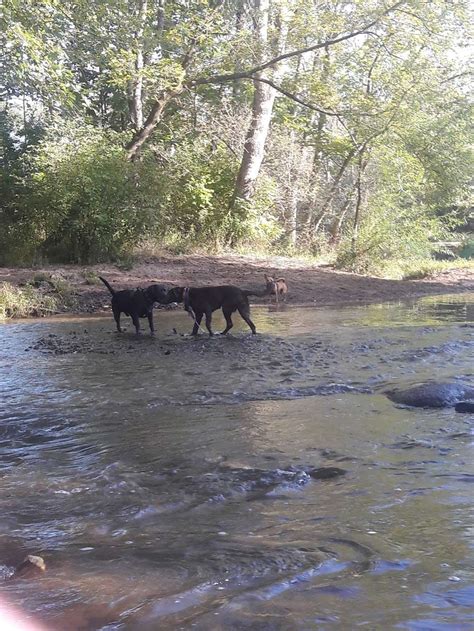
201	301
137	303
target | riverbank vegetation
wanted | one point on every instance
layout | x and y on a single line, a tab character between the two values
24	302
338	130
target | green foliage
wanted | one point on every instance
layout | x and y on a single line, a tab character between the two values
194	188
425	268
387	234
396	222
467	250
81	200
399	95
78	202
20	302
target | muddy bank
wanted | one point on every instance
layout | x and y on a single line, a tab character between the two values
308	284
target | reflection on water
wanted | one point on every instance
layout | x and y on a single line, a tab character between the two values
170	483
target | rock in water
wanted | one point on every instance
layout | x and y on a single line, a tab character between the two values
465	406
30	566
432	395
326	473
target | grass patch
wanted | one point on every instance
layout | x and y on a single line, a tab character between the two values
91	277
423	268
21	302
54	284
126	262
62	288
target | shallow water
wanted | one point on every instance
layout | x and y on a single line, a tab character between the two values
167	482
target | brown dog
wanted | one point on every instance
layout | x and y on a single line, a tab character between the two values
276	287
202	301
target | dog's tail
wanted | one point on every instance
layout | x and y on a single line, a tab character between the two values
112	291
187	303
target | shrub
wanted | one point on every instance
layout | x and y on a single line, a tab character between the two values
20	302
78	200
467	250
396	222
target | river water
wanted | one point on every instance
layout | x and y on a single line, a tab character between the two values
173	483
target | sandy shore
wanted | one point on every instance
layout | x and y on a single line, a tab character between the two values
308	284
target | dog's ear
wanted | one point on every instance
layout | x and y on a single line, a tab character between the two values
266	277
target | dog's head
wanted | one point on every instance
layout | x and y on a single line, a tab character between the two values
176	294
271	284
157	293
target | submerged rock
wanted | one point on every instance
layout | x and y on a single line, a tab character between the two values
465	406
326	473
432	394
30	566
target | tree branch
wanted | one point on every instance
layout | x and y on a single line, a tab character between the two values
293	97
246	74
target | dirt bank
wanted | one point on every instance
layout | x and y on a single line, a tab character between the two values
308	284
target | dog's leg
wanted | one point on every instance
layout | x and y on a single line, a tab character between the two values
197	322
245	313
150	322
227	315
117	320
136	323
208	322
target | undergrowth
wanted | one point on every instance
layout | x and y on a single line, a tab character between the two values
421	268
21	302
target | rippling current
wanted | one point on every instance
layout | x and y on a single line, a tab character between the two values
260	483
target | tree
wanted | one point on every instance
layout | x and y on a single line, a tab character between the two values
371	123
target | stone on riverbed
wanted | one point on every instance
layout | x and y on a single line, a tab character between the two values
326	473
30	566
432	394
465	406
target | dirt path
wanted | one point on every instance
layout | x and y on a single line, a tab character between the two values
308	284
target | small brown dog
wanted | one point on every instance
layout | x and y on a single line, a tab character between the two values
276	287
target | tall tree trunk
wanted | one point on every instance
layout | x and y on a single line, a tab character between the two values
135	101
361	166
254	146
160	22
293	222
322	117
239	24
318	121
262	107
335	229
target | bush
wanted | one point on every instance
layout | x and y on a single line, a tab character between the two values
78	201
408	235
195	190
16	302
467	250
396	223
